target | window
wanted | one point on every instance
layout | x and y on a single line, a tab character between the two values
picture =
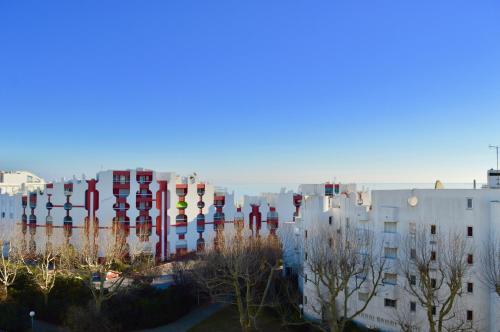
390	278
470	259
305	299
330	242
413	253
305	256
469	204
3	215
362	296
390	303
305	278
305	233
470	287
413	306
390	252
470	315
433	229
330	220
433	255
390	227
433	310
433	283
413	280
469	231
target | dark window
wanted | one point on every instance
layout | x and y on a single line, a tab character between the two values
413	253
305	256
330	220
433	283
470	315
433	255
413	280
413	306
305	278
470	287
470	259
434	310
305	299
390	303
469	231
305	234
433	229
469	203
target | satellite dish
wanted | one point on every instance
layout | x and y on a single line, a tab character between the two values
413	201
438	185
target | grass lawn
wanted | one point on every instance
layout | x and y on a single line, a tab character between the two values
227	320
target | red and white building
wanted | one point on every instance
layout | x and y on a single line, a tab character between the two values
160	212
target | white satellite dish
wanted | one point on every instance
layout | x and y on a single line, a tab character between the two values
413	201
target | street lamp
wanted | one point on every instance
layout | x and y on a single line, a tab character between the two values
301	308
32	315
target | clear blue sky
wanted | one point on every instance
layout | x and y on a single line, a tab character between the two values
242	91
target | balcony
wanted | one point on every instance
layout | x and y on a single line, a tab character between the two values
219	217
121	179
200	223
144	178
121	207
181	219
121	192
181	205
49	220
143	206
329	190
181	190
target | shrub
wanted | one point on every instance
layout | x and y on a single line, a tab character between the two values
83	319
13	317
147	307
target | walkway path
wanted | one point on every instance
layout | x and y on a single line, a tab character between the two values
190	320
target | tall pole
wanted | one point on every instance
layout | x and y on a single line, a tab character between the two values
496	147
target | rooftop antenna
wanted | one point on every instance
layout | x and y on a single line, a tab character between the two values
496	147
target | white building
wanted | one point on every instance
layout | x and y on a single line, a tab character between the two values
391	215
13	182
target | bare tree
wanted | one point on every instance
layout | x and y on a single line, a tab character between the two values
340	261
95	265
43	268
490	261
10	259
241	272
435	267
406	319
